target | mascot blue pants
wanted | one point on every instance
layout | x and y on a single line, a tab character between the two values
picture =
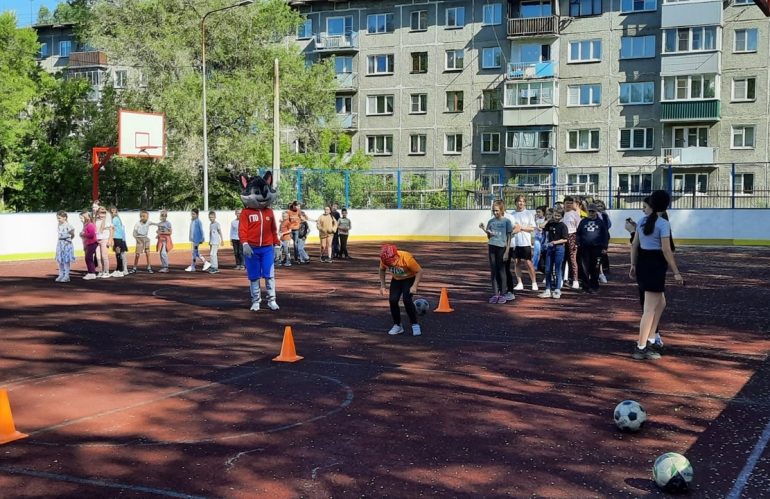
260	265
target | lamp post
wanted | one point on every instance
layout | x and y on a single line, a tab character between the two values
205	115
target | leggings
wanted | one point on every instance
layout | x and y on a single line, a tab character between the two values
237	251
90	252
295	238
497	268
572	255
103	254
399	288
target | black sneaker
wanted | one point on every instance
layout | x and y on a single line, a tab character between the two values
644	354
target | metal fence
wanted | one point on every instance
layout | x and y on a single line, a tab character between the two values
620	187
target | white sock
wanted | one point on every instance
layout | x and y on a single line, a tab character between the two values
641	347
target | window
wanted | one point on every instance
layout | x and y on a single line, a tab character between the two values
490	143
339	26
585	51
491	57
419	104
535	8
94	78
419	20
529	94
419	62
637	47
635	183
581	8
743	137
689	87
380	64
584	95
743	2
344	104
528	139
43	50
379	104
305	30
454	59
493	14
635	139
455	17
743	183
453	143
379	23
121	79
417	143
693	136
65	47
745	40
744	89
638	5
637	93
582	183
583	140
695	39
454	101
343	64
379	145
691	183
490	100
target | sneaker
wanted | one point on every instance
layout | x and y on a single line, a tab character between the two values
416	331
132	271
206	266
188	269
545	294
65	279
89	277
644	354
556	294
273	305
658	340
519	287
534	286
396	329
501	299
255	307
575	285
149	270
117	273
163	270
58	279
602	278
509	296
213	270
287	264
494	298
104	275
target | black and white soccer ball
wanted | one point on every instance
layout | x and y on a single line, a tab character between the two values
629	415
672	472
422	306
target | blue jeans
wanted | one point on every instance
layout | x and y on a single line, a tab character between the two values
537	248
554	262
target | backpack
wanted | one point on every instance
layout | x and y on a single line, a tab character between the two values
304	228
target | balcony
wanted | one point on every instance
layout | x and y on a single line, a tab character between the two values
348	121
689	155
529	157
700	110
528	70
91	58
700	13
533	26
347	82
337	43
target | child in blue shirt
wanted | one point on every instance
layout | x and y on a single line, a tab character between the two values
196	238
498	230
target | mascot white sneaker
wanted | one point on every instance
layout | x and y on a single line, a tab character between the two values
258	233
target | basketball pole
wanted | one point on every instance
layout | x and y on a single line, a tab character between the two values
276	124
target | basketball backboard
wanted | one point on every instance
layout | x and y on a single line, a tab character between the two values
141	134
763	6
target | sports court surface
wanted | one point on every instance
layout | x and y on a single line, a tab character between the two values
163	386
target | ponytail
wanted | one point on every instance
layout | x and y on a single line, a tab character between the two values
649	224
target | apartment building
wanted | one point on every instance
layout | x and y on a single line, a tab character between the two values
619	96
61	52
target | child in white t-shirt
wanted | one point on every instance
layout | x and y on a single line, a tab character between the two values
215	240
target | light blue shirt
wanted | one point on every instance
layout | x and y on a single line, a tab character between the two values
501	228
234	229
120	230
653	241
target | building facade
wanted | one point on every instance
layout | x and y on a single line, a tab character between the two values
613	96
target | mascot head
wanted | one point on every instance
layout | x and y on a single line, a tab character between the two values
257	192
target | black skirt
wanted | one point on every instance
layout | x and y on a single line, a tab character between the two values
651	268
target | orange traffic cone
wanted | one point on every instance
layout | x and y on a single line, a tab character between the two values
8	431
288	352
443	303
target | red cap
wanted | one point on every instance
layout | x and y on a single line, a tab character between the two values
388	253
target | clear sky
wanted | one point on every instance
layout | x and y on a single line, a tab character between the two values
26	10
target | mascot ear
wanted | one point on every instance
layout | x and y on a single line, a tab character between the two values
268	176
244	180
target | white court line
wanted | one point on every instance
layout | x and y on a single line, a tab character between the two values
751	462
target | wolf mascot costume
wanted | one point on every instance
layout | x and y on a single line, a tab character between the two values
258	233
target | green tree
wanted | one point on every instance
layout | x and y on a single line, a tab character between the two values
44	15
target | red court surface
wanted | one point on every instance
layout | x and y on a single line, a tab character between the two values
162	385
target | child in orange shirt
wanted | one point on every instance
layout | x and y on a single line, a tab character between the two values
285	235
406	274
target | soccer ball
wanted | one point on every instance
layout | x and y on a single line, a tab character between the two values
630	415
422	306
672	472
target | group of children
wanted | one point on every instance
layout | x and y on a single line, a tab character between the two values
575	232
333	231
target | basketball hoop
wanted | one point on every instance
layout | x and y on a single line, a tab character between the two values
147	150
